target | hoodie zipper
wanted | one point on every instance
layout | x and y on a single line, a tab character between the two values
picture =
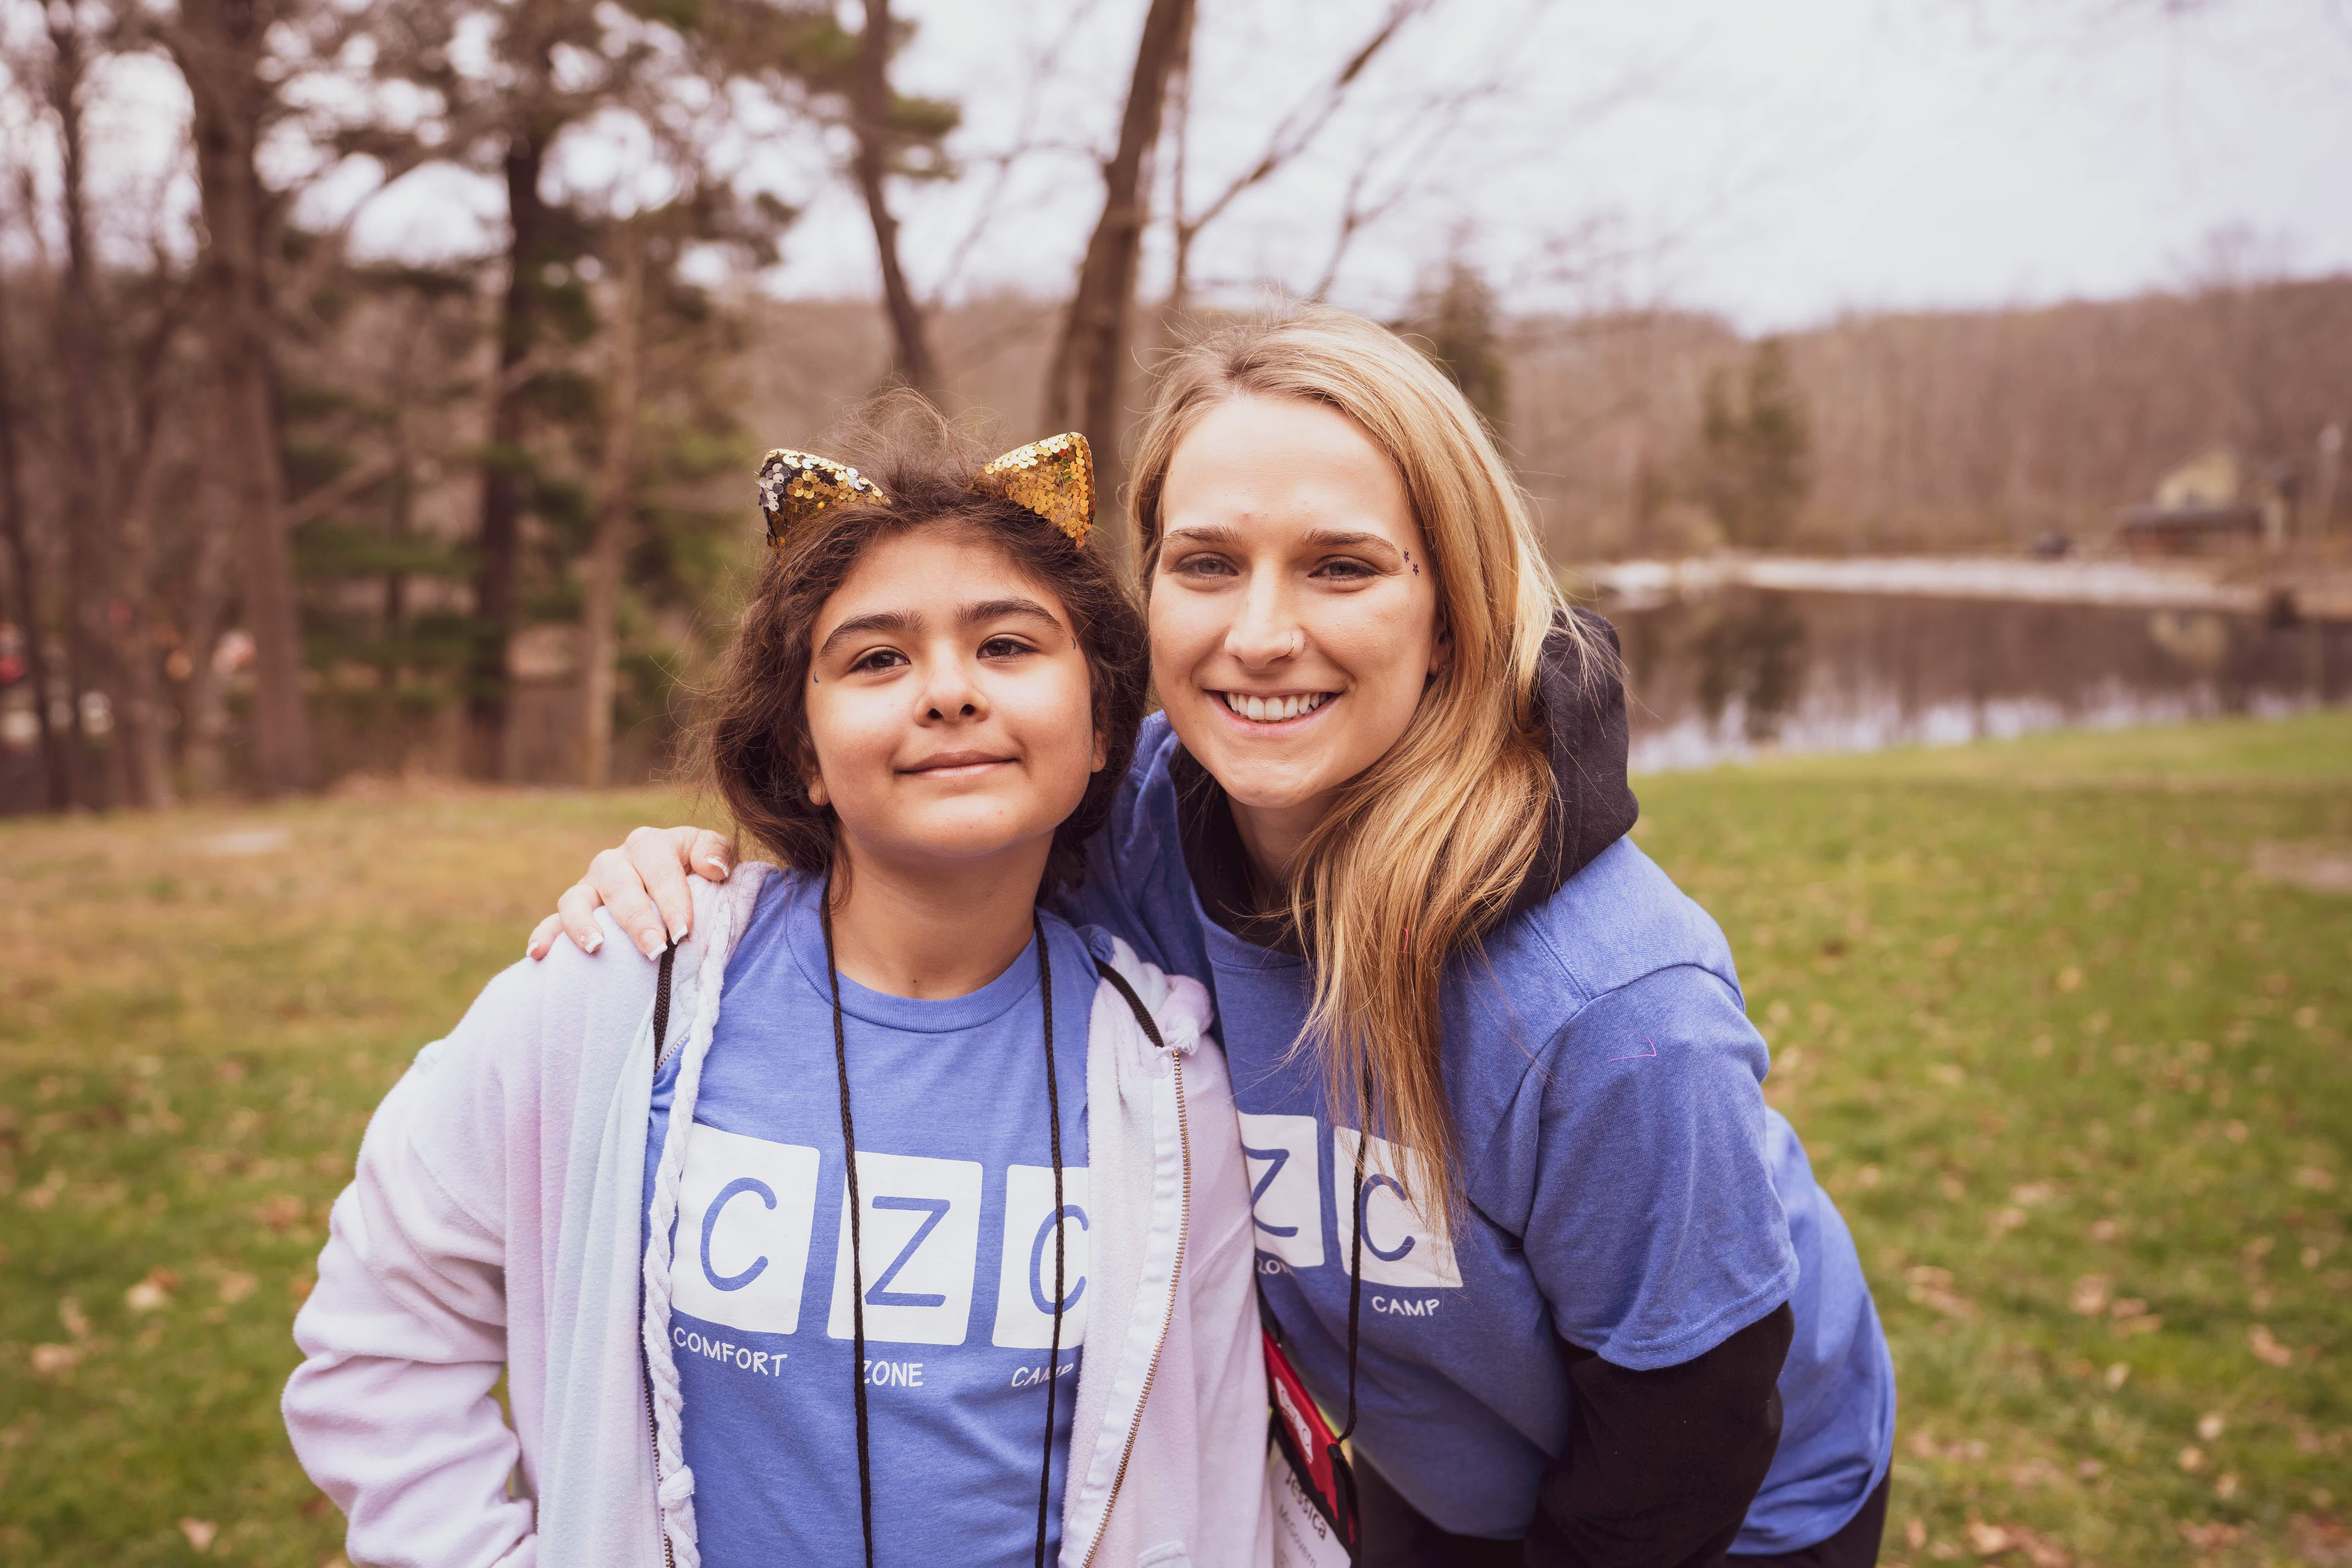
1175	1277
653	1423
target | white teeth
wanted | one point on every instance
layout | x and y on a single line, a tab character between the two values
1274	710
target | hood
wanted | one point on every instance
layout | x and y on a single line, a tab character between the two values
1591	806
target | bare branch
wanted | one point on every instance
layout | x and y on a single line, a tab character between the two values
1299	128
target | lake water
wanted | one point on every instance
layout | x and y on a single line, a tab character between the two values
1745	671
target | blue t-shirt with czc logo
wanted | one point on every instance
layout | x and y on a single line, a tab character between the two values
1626	1188
957	1220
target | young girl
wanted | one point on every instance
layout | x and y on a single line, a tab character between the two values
1522	1212
788	1245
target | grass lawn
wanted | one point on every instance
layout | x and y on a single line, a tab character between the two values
2080	1076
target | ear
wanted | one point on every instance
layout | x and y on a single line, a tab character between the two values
1440	649
815	784
1102	754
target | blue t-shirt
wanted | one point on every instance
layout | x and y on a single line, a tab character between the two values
956	1201
1627	1188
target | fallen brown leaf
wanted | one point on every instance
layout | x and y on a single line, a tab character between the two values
55	1361
2267	1348
1989	1540
200	1533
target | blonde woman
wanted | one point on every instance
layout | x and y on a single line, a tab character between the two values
1576	1296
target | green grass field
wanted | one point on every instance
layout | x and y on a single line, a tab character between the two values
2079	1073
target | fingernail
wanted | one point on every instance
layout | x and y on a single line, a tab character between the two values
652	943
716	864
596	941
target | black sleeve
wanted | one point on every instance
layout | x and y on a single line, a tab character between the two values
1661	1465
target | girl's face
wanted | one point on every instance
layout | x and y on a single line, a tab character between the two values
1293	612
950	709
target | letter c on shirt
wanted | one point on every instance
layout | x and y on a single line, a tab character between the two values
710	1223
1385	1253
1037	1260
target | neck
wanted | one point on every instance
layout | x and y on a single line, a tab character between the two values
930	930
1272	836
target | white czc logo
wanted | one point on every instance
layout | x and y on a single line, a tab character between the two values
1405	1243
745	1209
1285	1187
919	1232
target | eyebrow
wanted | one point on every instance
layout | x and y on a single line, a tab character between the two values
903	623
1318	538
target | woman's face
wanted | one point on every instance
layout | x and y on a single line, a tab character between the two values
1293	612
948	706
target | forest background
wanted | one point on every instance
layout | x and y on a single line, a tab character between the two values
282	504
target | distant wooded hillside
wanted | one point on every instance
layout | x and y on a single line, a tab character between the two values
1920	431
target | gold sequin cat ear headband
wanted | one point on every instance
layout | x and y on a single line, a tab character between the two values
1053	478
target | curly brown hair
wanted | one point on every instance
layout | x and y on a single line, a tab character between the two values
755	749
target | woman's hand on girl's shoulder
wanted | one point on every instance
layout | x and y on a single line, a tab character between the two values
641	881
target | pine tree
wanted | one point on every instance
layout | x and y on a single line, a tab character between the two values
1755	450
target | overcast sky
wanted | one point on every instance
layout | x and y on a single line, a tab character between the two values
1776	162
1779	163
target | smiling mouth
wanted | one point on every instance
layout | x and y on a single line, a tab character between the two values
956	762
1273	710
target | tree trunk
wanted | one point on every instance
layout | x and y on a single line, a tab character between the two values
1090	360
218	46
911	350
141	717
57	763
85	504
616	508
505	465
205	706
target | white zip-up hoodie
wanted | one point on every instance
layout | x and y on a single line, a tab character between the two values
494	1228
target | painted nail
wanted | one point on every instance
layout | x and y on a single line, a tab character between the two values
716	864
596	941
651	943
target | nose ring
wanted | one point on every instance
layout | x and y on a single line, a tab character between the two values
1298	645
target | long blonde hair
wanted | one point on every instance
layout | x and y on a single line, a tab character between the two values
1423	850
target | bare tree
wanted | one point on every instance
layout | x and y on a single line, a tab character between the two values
1292	135
221	48
56	761
84	479
1090	356
616	508
911	362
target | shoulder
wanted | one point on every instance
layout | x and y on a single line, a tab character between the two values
1147	798
1617	920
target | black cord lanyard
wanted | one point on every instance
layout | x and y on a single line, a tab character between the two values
1342	1473
856	1254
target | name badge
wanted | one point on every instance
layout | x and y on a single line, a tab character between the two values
1313	1528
